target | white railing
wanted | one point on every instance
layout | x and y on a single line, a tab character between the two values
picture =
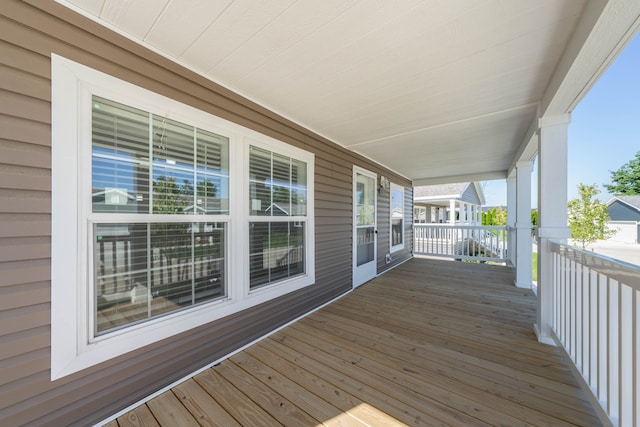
476	242
596	321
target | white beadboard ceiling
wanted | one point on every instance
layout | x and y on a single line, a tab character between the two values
436	90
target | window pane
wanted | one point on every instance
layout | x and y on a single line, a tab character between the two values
212	174
259	253
281	186
119	158
396	232
277	184
276	251
120	164
298	188
209	265
172	267
173	170
120	275
397	215
144	270
259	182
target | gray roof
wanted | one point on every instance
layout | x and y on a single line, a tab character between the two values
440	190
469	192
630	200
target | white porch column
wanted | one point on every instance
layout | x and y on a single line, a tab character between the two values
523	224
511	220
452	212
552	211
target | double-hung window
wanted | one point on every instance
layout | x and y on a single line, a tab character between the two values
159	214
277	216
164	217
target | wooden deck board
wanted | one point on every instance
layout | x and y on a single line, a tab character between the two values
202	405
429	343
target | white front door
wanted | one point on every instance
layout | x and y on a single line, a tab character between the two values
364	230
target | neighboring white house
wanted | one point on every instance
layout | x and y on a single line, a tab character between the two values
458	203
625	218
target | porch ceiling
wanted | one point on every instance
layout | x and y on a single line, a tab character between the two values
437	91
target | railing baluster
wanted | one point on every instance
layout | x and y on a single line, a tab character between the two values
635	333
485	243
565	305
595	319
625	350
603	328
572	309
578	321
585	363
614	346
593	331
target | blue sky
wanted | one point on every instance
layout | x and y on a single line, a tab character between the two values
604	133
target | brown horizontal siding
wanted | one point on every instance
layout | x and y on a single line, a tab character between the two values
25	178
22	248
20	58
29	32
329	244
19	153
332	190
25	318
27	84
332	229
26	271
24	342
13	297
25	225
26	130
17	105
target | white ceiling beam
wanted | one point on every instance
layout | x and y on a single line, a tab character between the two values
487	176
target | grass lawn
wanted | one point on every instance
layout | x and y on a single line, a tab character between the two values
534	266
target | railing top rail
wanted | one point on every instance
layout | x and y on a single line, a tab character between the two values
621	271
443	225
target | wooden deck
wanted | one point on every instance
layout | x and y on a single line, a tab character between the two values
429	343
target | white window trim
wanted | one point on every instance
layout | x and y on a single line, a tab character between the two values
399	247
72	346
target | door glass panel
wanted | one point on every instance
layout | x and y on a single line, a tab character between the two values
365	193
366	245
365	218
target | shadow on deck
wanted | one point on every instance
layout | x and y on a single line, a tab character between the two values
429	343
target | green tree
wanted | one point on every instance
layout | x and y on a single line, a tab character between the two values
626	180
172	239
588	217
500	217
281	195
206	188
167	196
495	216
487	217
